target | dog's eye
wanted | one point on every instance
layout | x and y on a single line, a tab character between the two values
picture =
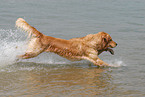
105	39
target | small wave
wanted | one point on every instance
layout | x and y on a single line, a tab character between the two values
116	63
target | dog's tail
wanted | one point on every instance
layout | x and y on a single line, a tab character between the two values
21	23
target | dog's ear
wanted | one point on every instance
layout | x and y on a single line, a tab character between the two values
105	38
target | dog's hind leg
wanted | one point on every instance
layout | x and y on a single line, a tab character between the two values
34	48
28	55
35	45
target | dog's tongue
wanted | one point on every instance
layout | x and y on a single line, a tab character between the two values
111	51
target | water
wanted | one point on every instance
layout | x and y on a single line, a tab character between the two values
53	76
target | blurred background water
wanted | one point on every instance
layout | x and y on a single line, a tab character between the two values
50	75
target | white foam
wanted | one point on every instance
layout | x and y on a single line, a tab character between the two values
116	63
9	52
12	44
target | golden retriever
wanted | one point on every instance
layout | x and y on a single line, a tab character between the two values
88	47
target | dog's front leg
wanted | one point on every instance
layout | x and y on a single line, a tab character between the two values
96	61
101	63
27	55
92	56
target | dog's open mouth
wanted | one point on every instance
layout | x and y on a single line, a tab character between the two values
110	50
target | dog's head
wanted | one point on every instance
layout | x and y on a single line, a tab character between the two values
107	41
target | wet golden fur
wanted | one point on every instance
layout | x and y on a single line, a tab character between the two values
88	47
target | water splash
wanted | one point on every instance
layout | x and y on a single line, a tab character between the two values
9	52
11	46
116	63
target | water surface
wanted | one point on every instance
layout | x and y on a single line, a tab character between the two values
53	76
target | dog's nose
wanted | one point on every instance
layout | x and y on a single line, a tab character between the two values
116	44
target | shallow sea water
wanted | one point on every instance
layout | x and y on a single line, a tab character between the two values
49	75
